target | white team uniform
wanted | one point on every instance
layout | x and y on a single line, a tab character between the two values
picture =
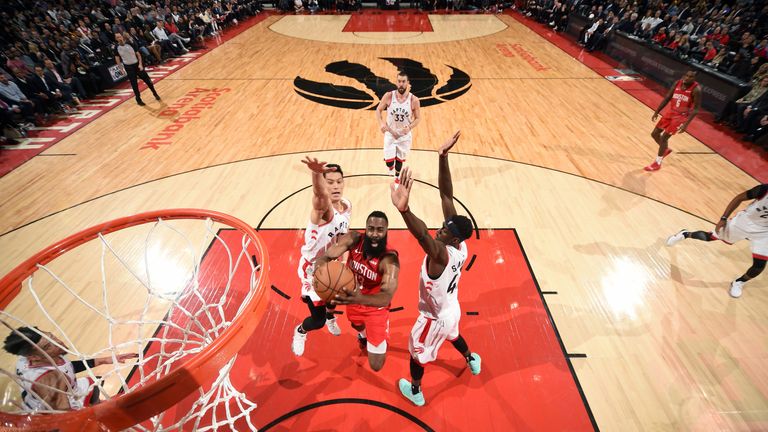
439	309
749	224
399	115
81	387
317	240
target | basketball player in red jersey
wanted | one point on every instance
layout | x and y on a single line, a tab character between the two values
439	309
376	270
686	101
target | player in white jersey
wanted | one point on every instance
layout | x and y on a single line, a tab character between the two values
749	224
328	221
439	310
403	115
46	377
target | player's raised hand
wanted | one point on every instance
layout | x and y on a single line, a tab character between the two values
449	143
316	165
400	195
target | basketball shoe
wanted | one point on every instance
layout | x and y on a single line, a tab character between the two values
676	238
333	326
736	289
299	339
405	390
656	165
474	364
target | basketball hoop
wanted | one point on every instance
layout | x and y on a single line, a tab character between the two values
211	297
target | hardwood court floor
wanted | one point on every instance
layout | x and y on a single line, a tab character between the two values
548	147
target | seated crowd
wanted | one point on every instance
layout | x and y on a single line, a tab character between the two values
55	53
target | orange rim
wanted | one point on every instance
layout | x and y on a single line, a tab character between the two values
130	409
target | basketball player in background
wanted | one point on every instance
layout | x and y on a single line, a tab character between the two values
750	223
376	269
686	101
328	220
439	309
403	115
47	378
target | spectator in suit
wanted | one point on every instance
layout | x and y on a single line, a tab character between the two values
596	26
628	25
48	92
16	99
601	36
73	86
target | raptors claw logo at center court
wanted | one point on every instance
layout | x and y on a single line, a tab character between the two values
424	85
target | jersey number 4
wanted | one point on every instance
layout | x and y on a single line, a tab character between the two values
452	285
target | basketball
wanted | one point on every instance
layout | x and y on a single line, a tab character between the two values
330	279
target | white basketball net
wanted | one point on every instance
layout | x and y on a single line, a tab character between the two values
157	298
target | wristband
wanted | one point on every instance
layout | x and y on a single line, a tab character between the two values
724	218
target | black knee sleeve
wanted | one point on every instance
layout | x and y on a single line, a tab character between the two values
700	235
398	165
390	164
417	370
316	319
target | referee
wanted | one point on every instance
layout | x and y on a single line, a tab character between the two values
131	62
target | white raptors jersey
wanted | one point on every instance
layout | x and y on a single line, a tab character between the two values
29	375
318	238
399	114
757	212
439	298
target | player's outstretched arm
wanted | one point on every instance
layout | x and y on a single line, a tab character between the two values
334	252
390	266
417	227
322	209
444	176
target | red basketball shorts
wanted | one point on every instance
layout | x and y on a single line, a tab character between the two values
669	123
376	321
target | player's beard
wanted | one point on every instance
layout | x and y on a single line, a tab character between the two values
401	90
371	251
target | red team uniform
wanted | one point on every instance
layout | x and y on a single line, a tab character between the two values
376	319
679	109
